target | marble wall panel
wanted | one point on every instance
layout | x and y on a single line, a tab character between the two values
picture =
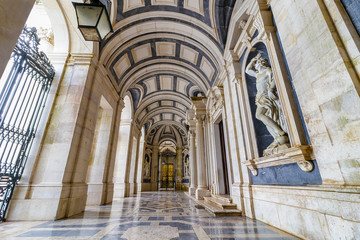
324	82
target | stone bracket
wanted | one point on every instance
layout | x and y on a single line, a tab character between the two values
300	155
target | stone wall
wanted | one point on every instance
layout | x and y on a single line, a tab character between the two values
310	213
325	88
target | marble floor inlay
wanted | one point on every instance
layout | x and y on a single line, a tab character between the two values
148	216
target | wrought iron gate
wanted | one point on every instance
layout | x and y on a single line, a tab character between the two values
23	93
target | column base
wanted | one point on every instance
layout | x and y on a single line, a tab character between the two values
154	186
201	193
95	194
47	202
133	187
139	188
192	191
109	193
121	190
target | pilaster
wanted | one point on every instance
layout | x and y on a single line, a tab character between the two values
64	142
155	165
192	151
179	167
200	114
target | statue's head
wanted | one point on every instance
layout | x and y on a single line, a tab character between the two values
261	62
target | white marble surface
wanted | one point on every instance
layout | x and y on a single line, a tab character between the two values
151	215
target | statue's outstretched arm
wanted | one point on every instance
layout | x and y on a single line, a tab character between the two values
249	68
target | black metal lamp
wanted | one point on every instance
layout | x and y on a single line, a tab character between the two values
93	19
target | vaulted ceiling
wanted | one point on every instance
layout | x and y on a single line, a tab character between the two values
162	53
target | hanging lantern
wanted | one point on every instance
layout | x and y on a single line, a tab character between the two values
93	19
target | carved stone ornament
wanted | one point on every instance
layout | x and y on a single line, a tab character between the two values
258	23
216	100
300	155
242	24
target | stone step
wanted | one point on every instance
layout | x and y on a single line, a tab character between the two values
225	198
217	211
218	202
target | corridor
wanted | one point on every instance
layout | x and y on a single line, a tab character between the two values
151	216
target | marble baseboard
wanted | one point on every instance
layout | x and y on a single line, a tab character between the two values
145	187
133	188
121	190
326	212
95	194
47	202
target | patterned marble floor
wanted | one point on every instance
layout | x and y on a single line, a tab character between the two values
149	216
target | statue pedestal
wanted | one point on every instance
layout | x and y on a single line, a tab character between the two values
300	155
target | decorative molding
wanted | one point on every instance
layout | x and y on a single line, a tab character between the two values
300	155
237	78
80	59
215	101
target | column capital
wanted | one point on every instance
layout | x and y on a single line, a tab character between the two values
200	117
237	78
190	114
199	108
192	132
126	121
198	103
121	103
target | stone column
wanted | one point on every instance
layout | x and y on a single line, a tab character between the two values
140	165
193	164
121	167
208	152
110	179
133	162
201	190
154	164
179	169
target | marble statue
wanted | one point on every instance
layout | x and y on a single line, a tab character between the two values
269	110
147	167
187	168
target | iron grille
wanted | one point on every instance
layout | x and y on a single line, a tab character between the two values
23	93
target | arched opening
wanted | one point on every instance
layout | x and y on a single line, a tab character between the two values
167	165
